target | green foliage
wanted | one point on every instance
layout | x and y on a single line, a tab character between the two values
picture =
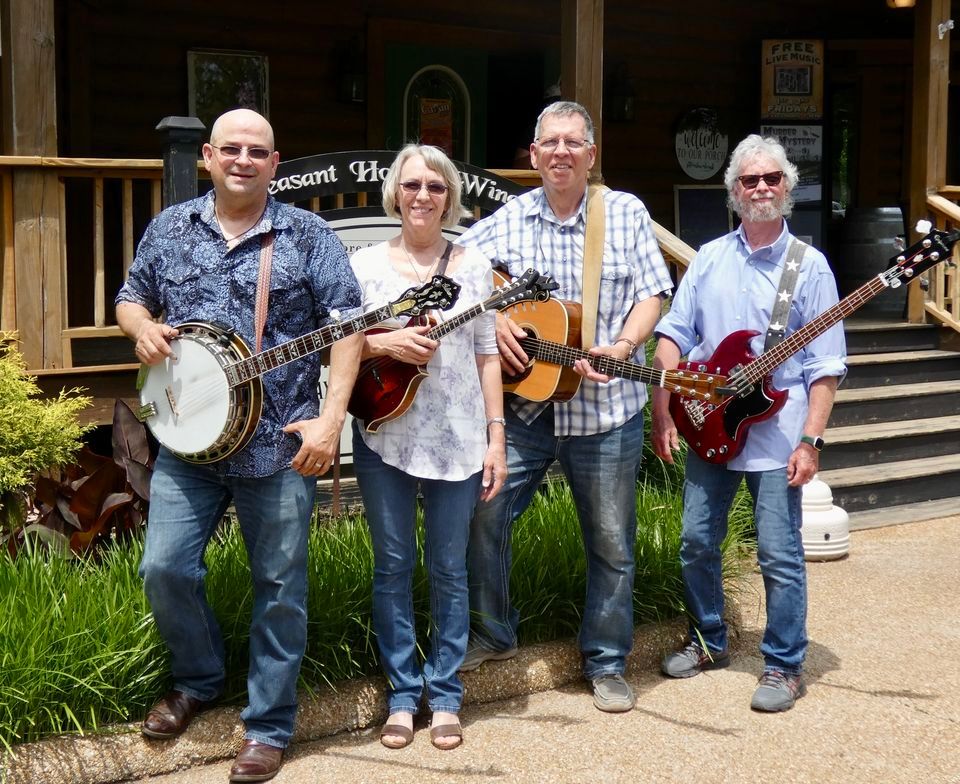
77	644
35	434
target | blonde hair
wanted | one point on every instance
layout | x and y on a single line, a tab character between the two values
436	160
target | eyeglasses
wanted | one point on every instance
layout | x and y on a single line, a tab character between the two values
753	180
573	145
253	153
433	188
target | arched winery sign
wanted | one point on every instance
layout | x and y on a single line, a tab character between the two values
363	170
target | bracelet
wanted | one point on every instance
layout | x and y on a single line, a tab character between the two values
496	420
633	346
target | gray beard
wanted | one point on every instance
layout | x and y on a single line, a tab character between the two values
762	211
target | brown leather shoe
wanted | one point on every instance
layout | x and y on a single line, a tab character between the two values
256	762
172	715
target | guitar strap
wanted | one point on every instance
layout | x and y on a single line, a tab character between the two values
263	288
788	284
592	261
444	259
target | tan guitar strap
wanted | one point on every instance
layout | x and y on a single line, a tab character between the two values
592	261
263	289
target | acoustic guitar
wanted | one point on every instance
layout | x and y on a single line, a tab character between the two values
553	346
716	428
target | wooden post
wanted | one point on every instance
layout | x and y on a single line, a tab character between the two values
928	160
182	138
28	74
581	68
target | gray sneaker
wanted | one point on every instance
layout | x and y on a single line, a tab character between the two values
611	693
778	691
477	655
692	660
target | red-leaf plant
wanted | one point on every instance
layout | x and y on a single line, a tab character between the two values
98	500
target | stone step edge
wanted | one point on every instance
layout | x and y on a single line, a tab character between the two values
121	752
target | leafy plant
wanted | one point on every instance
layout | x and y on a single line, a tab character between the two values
36	434
96	500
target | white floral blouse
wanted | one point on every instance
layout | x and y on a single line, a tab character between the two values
443	435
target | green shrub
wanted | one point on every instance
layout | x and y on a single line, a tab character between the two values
35	434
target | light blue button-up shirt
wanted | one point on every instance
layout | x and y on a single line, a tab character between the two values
728	288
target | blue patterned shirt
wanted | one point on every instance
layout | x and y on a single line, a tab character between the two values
729	288
185	271
525	233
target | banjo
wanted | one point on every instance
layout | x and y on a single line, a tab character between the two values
204	402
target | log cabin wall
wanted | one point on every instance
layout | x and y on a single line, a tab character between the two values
123	67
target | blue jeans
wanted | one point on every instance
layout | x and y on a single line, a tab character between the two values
708	493
390	504
187	503
602	473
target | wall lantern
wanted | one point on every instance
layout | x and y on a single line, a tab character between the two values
901	3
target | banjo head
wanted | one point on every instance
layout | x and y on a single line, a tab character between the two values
188	396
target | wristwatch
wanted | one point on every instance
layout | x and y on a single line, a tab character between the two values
815	441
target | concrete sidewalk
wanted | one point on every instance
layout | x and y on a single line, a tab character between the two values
883	704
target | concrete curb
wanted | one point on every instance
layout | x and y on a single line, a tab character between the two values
122	753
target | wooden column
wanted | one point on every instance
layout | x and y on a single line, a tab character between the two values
30	128
581	67
928	160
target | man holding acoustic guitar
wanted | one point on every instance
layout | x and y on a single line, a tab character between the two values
754	287
259	270
600	247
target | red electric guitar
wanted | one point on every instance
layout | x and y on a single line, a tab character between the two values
386	387
716	428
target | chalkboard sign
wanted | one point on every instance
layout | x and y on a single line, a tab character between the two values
701	213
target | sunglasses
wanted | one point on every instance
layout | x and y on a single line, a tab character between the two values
433	188
253	153
753	180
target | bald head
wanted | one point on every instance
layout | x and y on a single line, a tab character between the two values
241	121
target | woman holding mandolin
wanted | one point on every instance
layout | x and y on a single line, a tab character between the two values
449	444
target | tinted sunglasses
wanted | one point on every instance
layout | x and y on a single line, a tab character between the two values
433	188
753	180
253	153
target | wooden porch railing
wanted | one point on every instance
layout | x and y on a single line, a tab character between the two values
82	239
941	300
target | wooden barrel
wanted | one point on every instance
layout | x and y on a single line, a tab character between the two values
867	243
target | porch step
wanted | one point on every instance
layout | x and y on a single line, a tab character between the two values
883	485
903	513
901	367
885	442
868	336
895	402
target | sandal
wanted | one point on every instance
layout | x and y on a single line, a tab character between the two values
446	731
404	733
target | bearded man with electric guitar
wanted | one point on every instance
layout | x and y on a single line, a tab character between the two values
253	269
600	247
757	278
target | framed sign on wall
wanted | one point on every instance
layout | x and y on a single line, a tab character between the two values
221	79
792	80
700	213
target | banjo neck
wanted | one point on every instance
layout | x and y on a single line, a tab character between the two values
254	366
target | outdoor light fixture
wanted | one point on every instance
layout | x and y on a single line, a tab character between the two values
901	3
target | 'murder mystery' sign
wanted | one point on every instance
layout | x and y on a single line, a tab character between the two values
792	80
364	170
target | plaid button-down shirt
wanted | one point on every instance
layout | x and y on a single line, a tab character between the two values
525	233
